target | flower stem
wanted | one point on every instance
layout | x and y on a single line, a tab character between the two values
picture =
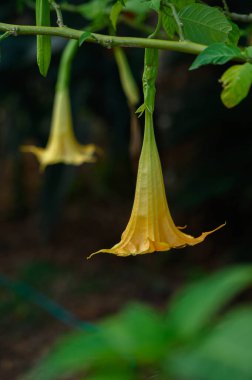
66	64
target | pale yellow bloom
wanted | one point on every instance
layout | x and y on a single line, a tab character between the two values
151	227
62	146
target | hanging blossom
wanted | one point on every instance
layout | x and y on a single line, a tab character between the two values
62	146
151	227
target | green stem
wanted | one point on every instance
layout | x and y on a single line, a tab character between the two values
105	40
5	35
159	24
66	65
149	78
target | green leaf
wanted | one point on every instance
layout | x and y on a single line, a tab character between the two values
83	37
236	82
224	354
234	35
137	6
112	374
138	333
154	4
72	354
115	12
194	307
178	4
204	24
217	54
141	110
248	52
94	9
168	22
43	42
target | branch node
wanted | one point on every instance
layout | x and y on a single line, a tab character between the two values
14	31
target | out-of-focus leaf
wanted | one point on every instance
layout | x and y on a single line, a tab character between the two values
137	333
140	338
224	354
204	24
72	354
194	307
112	374
154	4
83	37
137	6
248	52
236	82
217	54
94	9
127	80
115	12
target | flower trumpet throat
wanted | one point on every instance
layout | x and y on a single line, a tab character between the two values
151	227
62	146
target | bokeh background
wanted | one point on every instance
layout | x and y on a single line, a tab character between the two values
50	222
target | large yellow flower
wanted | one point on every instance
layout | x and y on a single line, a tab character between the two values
62	146
151	227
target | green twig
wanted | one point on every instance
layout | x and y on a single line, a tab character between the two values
247	18
57	9
240	17
225	6
105	40
159	24
5	35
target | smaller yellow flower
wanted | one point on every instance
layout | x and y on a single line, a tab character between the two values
62	146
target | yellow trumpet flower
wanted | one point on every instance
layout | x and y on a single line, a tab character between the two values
62	146
151	227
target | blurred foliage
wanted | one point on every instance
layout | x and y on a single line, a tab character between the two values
198	337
